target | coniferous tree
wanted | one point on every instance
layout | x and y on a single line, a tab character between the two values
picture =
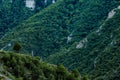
76	73
17	46
39	5
85	78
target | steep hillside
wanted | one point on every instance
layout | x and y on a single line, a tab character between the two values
13	12
99	52
82	34
16	66
59	26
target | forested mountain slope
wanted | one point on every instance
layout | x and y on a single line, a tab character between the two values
14	12
82	34
100	51
16	66
48	31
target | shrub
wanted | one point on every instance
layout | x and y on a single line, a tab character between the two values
17	46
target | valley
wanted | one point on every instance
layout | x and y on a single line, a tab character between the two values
80	34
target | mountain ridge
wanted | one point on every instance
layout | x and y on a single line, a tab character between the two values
82	34
18	66
101	50
65	27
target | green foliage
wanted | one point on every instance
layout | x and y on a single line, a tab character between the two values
46	34
85	78
2	78
25	67
100	57
12	14
15	12
76	73
17	47
70	77
61	69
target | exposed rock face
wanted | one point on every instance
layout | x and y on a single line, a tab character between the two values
110	15
53	1
82	43
69	38
30	4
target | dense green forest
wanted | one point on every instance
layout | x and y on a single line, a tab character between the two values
79	34
16	66
101	52
46	32
14	12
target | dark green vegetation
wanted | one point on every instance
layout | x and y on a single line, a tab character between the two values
17	46
76	33
100	57
24	67
13	12
46	32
